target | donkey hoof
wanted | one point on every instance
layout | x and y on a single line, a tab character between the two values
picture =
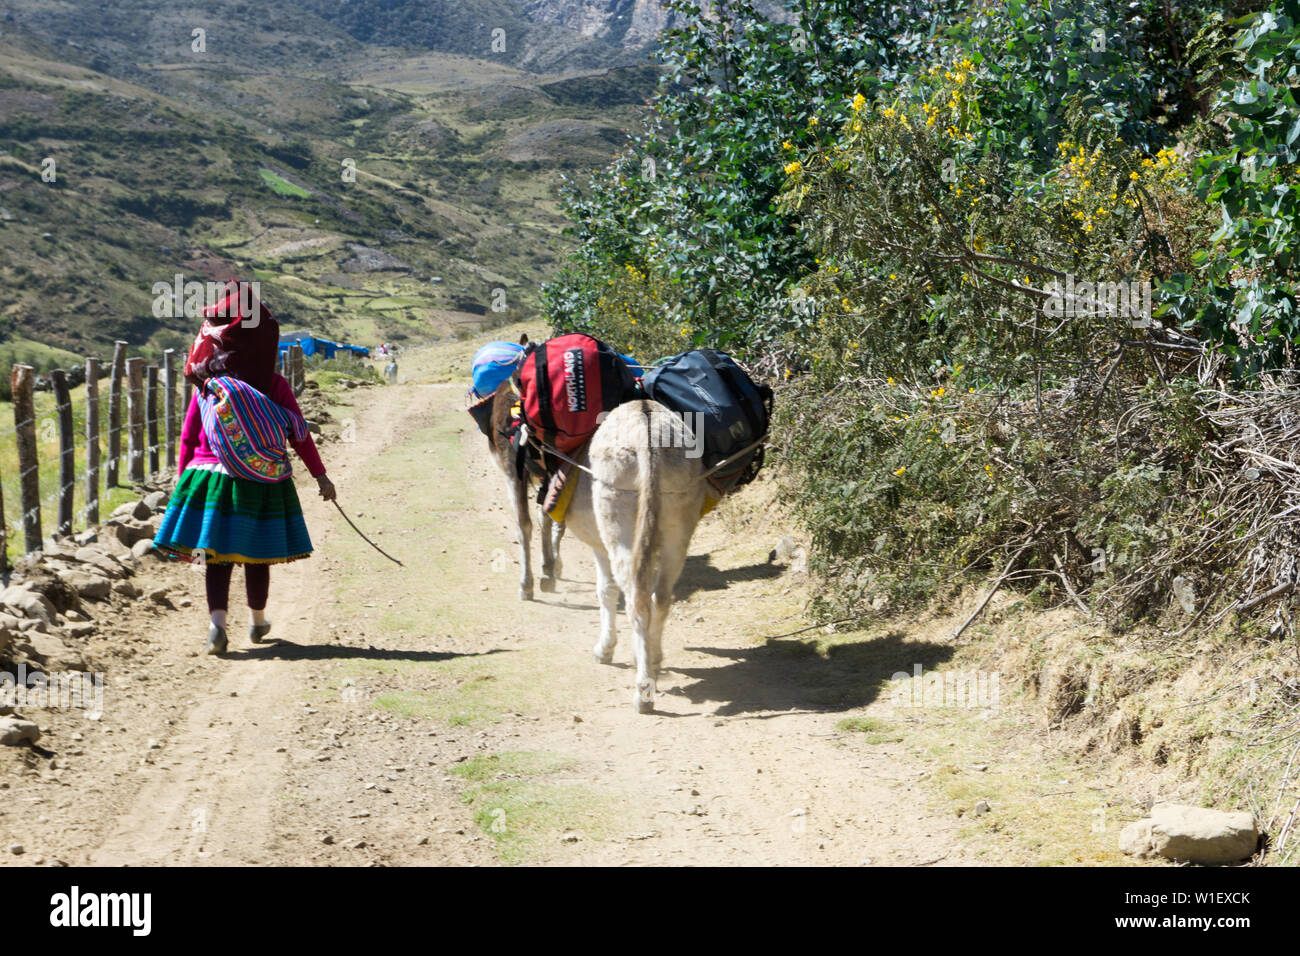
526	594
603	657
645	697
547	585
644	706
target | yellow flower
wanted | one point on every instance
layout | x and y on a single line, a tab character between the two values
812	121
792	168
1134	176
787	145
900	471
859	101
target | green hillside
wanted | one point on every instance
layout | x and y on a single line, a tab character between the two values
374	192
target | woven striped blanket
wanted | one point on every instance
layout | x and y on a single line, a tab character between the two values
248	431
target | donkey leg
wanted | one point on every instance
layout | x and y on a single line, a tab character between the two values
549	573
674	545
607	592
644	696
524	535
557	535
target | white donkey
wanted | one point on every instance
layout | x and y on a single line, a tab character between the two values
637	509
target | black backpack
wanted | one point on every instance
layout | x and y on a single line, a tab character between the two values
735	409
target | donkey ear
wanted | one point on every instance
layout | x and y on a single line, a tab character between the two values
523	339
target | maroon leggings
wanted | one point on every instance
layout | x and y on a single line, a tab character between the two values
257	583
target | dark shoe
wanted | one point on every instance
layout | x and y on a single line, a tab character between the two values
258	631
217	642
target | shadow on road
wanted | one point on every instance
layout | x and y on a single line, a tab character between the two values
699	575
289	651
792	675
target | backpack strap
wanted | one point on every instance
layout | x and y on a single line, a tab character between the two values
542	382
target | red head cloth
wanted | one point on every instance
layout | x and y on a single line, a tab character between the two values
238	338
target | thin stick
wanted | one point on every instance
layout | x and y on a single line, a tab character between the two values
1266	596
843	620
1060	573
996	584
365	539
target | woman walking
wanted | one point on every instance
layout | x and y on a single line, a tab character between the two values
235	501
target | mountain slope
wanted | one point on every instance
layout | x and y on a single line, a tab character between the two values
374	192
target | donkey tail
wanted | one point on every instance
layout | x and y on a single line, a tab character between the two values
647	518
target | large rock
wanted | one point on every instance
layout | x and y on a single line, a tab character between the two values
14	731
144	548
155	501
110	544
130	530
126	589
49	585
51	652
1192	835
123	511
28	603
1135	839
88	585
104	563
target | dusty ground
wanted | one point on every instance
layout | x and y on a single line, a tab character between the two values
424	715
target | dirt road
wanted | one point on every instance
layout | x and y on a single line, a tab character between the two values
424	715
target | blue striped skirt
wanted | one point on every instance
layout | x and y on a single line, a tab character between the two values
232	520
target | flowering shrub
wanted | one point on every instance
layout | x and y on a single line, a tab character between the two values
974	242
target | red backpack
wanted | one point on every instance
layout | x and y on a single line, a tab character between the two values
567	383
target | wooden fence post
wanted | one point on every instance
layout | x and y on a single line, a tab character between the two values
169	404
29	478
116	374
135	420
67	451
92	441
296	361
151	415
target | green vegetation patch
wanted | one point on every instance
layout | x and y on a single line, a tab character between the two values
519	802
283	187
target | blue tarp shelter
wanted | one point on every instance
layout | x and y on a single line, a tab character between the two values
315	345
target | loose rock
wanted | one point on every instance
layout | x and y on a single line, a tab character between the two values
1192	834
15	731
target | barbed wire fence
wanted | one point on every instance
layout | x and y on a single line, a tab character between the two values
142	411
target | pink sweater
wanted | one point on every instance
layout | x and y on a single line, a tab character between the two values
194	443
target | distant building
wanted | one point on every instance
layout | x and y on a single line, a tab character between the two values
313	344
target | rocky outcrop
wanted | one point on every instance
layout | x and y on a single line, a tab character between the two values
49	605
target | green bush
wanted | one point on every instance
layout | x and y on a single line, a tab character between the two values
945	228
